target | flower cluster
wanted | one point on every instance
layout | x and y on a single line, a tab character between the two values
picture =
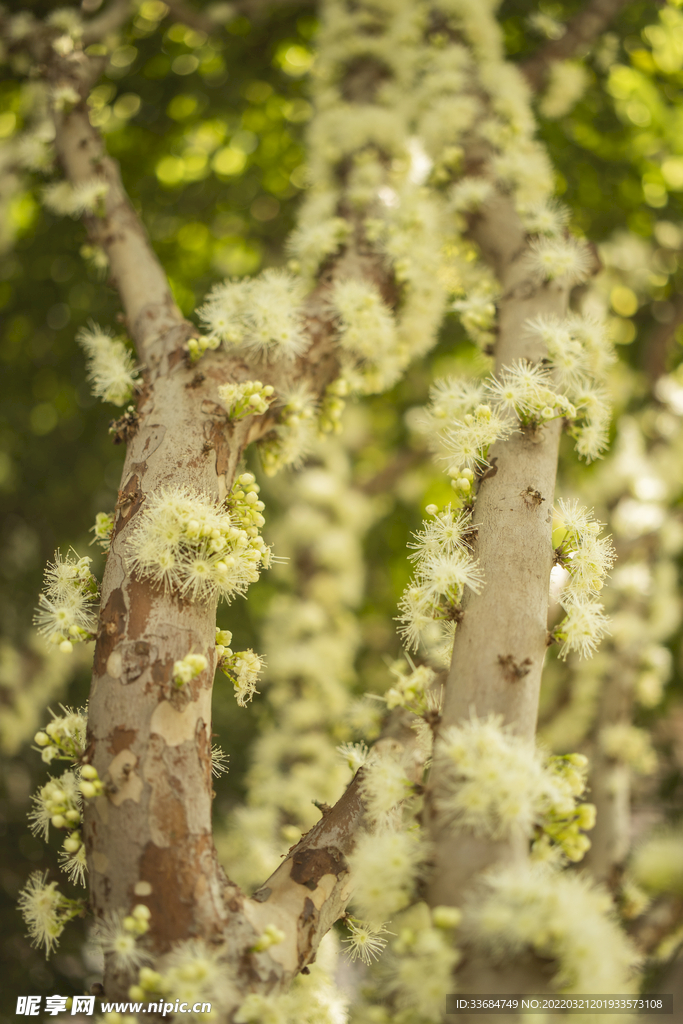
587	558
631	745
293	435
67	608
111	367
191	666
366	331
468	441
57	803
425	959
564	821
384	785
444	567
493	783
193	972
250	398
185	542
384	867
566	260
332	406
103	530
197	347
67	200
580	353
560	916
526	390
219	761
118	937
243	670
46	911
270	936
64	737
263	315
657	864
411	689
567	82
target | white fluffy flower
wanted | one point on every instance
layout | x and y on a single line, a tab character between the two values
263	314
121	943
383	871
584	625
182	540
45	911
562	917
567	260
111	366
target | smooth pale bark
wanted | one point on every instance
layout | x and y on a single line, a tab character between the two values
500	643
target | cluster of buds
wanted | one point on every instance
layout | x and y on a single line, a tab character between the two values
241	667
411	689
61	802
332	406
62	739
463	483
91	784
245	504
103	529
248	399
272	936
150	983
137	922
188	669
565	821
66	613
196	347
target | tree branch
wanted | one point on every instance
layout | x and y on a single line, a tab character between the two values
135	269
582	30
513	512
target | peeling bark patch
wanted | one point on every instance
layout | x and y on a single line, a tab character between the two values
219	441
126	783
129	501
172	875
531	497
308	919
161	671
309	866
121	739
176	727
513	670
168	822
309	911
493	469
156	434
261	895
141	598
112	620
